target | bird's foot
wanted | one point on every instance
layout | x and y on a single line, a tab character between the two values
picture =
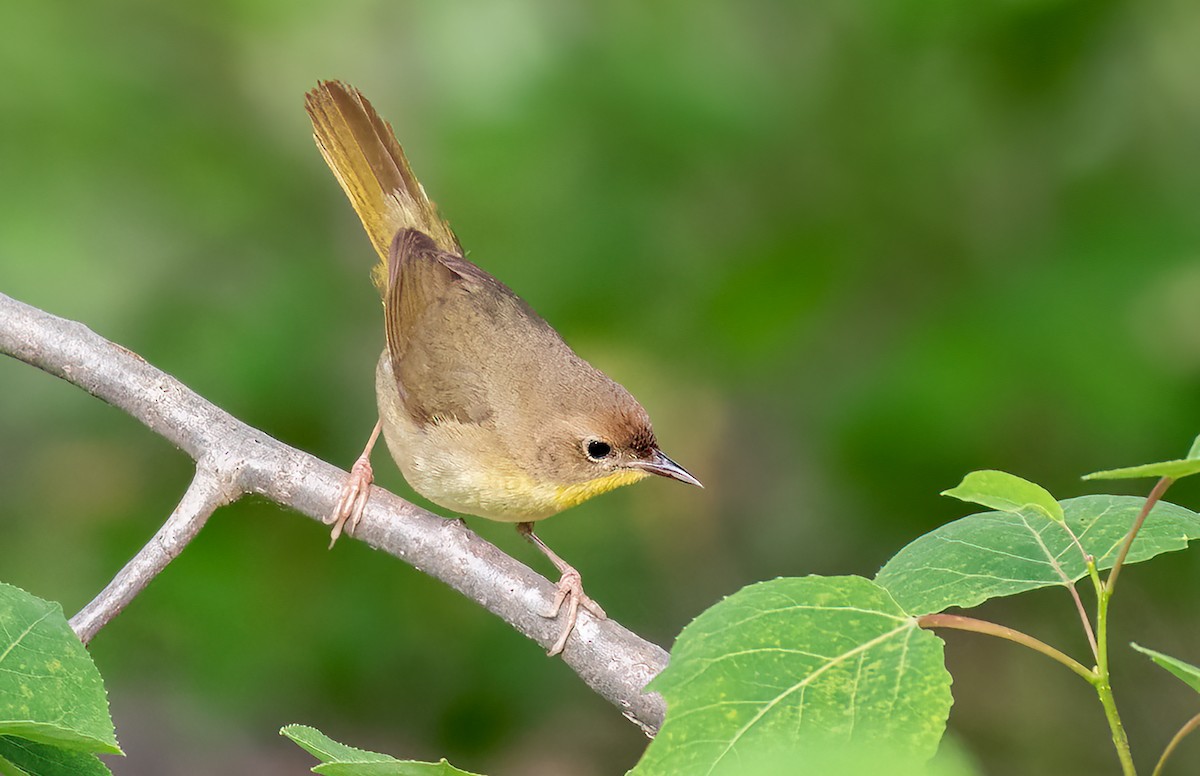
355	491
570	592
352	500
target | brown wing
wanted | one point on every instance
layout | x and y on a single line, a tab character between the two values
437	323
370	165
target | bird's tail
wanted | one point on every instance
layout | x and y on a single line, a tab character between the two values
369	163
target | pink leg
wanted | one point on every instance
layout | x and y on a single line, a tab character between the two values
570	591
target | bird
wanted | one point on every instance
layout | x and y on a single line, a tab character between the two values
483	406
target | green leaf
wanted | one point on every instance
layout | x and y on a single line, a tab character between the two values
993	554
1006	493
1185	671
1173	469
10	769
337	759
32	759
796	666
50	691
327	750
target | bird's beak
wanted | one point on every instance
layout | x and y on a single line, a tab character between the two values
663	466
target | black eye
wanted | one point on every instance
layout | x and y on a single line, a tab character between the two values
597	449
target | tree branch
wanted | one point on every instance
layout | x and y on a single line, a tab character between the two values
208	491
234	459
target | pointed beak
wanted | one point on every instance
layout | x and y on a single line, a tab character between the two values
663	466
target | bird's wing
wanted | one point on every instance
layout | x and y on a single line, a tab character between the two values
439	318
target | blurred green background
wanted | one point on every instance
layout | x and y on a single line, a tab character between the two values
843	251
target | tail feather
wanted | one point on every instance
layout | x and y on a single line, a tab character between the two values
370	165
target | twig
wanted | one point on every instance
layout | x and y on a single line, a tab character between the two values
235	459
208	491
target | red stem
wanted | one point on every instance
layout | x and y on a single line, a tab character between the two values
1159	489
959	622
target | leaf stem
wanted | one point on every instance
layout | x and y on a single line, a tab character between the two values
1066	580
1075	540
1188	727
1104	686
1083	616
1159	489
958	622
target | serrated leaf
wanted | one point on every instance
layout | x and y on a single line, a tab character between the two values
50	690
33	759
338	759
1186	672
994	554
1006	493
794	665
1183	467
327	750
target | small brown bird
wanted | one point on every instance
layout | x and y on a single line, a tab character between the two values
483	406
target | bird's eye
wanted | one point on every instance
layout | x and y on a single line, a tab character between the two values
597	449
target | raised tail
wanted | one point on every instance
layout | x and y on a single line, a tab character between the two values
369	163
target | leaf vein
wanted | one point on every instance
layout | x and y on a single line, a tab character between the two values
858	650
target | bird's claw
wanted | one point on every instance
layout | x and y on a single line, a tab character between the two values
352	500
570	592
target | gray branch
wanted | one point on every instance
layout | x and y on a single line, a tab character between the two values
208	491
234	459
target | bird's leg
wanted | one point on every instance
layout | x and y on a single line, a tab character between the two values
570	591
355	491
